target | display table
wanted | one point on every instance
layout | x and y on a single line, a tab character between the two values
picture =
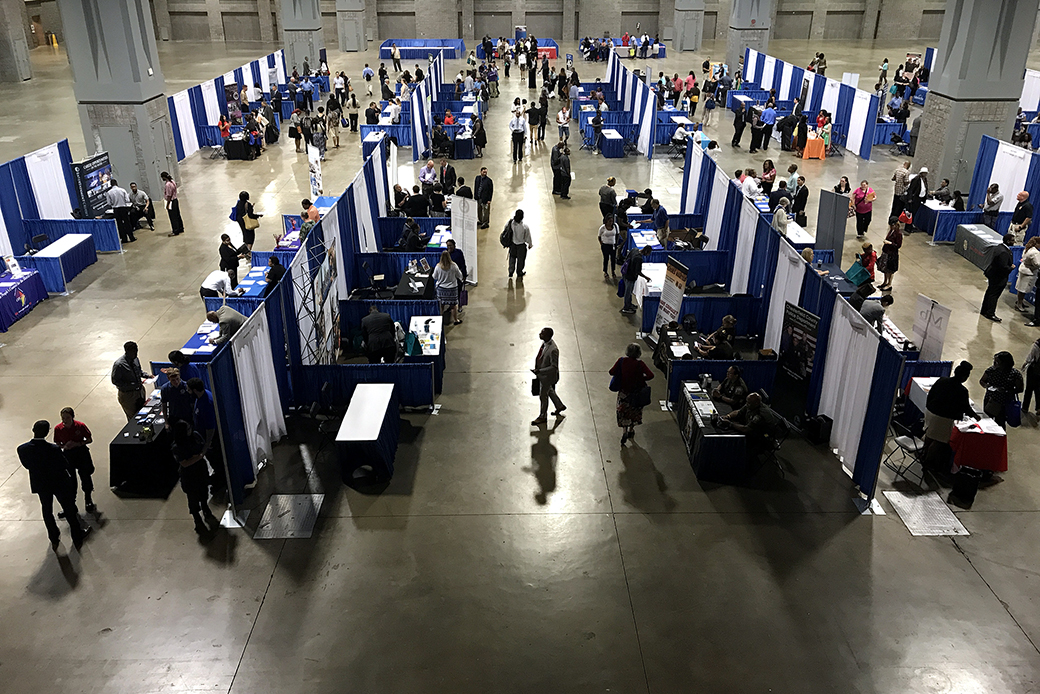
902	344
883	131
976	242
715	455
370	142
62	260
197	348
798	237
439	238
18	296
978	450
418	286
612	145
430	332
464	147
762	203
236	147
836	278
681	120
928	214
138	467
814	148
639	238
369	431
254	283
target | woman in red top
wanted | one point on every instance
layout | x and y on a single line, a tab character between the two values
225	127
868	258
632	374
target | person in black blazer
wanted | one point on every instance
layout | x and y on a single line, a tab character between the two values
447	177
380	336
52	477
1000	265
801	199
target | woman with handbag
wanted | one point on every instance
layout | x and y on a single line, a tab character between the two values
888	262
295	131
1003	382
248	220
1027	272
862	204
629	380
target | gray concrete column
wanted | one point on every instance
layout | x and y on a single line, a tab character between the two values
14	48
215	19
350	25
265	9
570	28
975	84
689	25
301	32
519	16
119	86
469	32
749	23
162	19
437	20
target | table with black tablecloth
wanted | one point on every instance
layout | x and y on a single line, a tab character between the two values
238	149
416	287
18	296
715	455
836	278
139	467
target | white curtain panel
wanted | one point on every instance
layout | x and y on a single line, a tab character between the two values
185	123
211	101
768	68
330	229
696	159
787	288
716	208
247	75
745	245
365	224
279	62
830	96
630	82
5	240
847	374
785	82
382	184
48	183
229	78
646	125
1030	100
1009	172
811	76
750	64
858	122
257	387
265	76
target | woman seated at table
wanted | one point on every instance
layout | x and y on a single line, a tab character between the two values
808	256
733	390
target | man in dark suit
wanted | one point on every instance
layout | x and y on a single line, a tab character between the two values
417	204
52	477
447	177
463	190
997	272
485	190
380	336
547	370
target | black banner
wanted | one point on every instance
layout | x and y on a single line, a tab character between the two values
93	179
795	365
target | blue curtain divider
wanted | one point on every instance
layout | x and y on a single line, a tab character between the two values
924	369
757	374
66	168
401	133
261	258
239	78
10	210
226	397
816	102
707	174
218	83
415	382
983	171
704	267
389	229
730	224
709	311
887	369
104	231
818	297
762	272
347	241
843	114
178	146
23	187
351	312
243	304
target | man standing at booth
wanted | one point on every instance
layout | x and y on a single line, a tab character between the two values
997	272
128	378
484	191
177	402
173	207
119	201
204	420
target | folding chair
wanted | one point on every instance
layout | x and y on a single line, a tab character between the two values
783	431
910	450
588	140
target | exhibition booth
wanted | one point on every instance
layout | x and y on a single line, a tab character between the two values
637	98
422	49
547	48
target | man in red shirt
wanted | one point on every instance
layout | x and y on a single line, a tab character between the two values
72	438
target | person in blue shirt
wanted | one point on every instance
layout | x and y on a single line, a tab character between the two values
181	363
894	105
176	401
768	120
660	221
368	74
307	87
204	419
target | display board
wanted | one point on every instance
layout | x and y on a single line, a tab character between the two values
93	178
796	355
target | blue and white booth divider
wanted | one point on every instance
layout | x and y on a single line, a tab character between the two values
1012	168
420	49
854	111
1030	99
202	105
636	97
38	195
929	59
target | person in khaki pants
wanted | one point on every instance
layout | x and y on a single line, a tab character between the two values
128	378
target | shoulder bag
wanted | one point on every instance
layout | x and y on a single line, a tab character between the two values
250	223
615	380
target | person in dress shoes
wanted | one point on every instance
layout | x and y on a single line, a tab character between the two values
73	438
51	477
547	370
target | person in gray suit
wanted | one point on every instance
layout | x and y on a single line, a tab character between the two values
547	369
229	320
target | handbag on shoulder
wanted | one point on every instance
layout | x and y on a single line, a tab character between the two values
251	223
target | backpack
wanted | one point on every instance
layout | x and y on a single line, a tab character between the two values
506	237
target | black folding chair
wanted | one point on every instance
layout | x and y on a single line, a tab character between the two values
910	450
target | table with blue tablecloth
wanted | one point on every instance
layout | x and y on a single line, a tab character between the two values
612	144
198	348
370	142
920	95
59	262
463	148
254	283
18	296
369	432
883	131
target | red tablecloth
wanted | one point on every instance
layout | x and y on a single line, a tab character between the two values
814	149
979	451
549	53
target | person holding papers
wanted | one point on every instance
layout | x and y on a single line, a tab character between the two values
217	284
229	321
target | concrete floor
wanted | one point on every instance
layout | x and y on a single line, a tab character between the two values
499	558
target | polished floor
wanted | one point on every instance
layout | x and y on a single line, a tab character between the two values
501	558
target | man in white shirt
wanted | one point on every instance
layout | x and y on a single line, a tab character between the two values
520	242
119	202
680	134
518	127
427	177
217	284
395	111
751	187
467	84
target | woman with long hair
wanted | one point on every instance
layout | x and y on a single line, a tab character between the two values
244	211
1002	382
447	276
843	187
768	176
888	261
479	137
632	375
1027	270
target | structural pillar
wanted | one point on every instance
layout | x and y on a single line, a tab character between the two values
350	25
119	87
975	84
689	25
301	32
14	47
748	28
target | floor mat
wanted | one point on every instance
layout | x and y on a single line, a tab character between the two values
925	514
289	516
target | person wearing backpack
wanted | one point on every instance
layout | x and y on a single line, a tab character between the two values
516	236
